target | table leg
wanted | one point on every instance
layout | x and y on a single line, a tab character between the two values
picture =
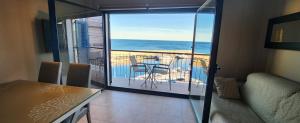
152	81
149	71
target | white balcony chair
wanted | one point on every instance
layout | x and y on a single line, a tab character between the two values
136	67
203	75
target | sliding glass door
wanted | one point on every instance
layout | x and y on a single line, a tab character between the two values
206	36
151	51
81	40
165	40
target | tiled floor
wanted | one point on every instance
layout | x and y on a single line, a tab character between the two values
177	87
123	107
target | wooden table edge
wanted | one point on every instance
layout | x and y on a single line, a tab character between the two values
76	108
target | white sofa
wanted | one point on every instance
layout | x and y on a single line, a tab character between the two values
265	99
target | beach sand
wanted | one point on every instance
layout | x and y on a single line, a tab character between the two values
122	57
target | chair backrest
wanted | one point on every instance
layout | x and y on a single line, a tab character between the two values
79	75
203	64
204	74
171	61
50	72
167	60
133	60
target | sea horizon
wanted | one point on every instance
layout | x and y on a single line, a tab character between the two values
202	47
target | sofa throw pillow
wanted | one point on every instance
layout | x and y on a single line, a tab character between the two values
227	88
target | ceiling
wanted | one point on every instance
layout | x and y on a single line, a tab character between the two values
137	4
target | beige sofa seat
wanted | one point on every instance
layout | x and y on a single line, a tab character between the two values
266	98
231	111
274	99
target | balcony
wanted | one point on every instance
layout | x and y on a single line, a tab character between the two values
179	64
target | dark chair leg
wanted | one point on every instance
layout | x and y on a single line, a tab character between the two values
145	82
129	76
170	79
88	114
152	80
145	75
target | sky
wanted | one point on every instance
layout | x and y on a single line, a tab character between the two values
172	27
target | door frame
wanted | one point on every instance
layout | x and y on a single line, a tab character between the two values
150	92
213	67
54	46
212	62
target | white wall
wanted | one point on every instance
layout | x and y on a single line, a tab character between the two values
20	53
241	49
284	63
242	39
239	38
21	44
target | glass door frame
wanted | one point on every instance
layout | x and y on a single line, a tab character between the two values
213	67
155	11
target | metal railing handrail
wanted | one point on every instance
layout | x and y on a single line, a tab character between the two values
90	47
161	52
143	51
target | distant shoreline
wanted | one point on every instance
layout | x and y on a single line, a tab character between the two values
160	45
164	51
161	40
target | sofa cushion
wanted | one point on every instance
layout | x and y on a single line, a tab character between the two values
274	99
227	88
231	111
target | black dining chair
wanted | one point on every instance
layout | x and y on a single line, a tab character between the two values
50	72
80	75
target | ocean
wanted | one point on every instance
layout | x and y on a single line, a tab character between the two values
142	45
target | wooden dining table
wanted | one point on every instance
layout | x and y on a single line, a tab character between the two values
25	101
